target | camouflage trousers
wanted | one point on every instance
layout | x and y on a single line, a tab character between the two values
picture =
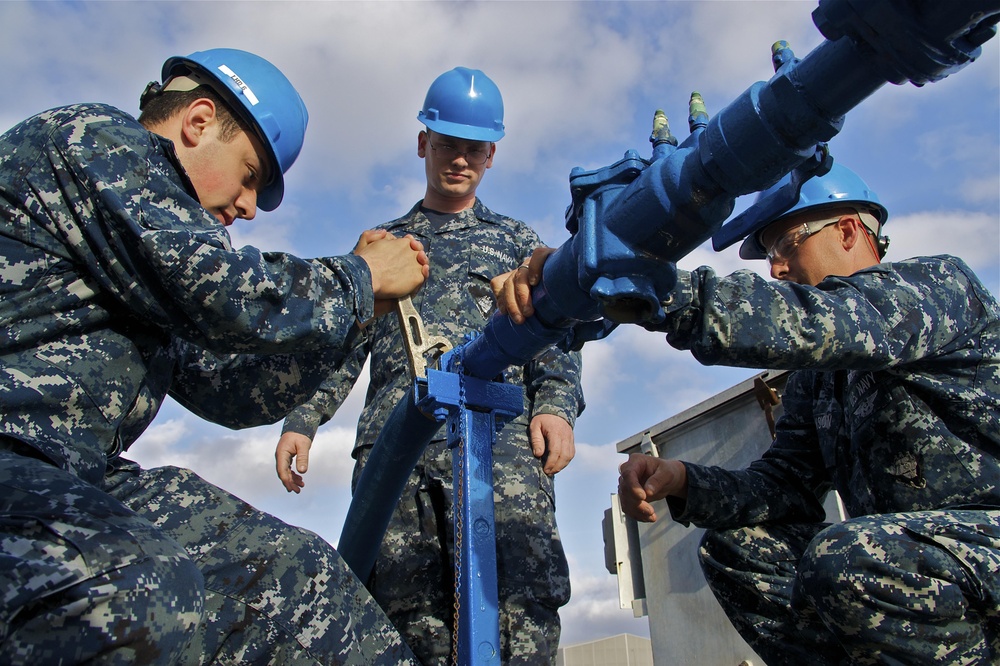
903	588
413	578
161	567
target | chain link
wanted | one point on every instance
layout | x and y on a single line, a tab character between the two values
459	524
458	511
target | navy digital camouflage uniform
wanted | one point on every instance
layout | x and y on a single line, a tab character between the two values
117	288
897	407
413	577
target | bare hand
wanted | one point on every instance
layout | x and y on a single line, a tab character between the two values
368	237
552	441
292	445
398	265
646	479
512	290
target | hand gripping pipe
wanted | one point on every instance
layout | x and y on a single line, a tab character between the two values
631	221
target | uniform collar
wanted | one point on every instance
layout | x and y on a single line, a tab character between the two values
464	219
167	146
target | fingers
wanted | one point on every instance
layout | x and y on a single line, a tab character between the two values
292	482
292	445
561	453
519	296
370	236
638	486
398	266
537	439
418	247
552	441
631	494
496	285
512	290
537	263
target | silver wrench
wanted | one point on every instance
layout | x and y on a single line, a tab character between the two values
416	341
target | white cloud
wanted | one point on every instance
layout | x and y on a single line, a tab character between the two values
597	458
594	610
264	232
243	461
736	50
975	237
943	144
982	190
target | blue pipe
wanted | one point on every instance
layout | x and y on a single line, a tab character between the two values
399	445
630	222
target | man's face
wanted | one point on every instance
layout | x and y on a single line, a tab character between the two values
451	175
227	174
797	255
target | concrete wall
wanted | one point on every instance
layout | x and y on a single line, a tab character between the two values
620	650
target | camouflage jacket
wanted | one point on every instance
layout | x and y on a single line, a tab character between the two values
896	401
456	299
117	287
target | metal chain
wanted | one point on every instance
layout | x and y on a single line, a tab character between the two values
458	510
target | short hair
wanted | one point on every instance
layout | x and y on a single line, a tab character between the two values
162	106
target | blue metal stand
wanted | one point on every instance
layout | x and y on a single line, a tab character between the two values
476	410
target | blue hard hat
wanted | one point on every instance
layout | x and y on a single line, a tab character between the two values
839	187
464	103
261	95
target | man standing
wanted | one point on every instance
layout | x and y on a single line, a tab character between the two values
119	285
467	245
895	403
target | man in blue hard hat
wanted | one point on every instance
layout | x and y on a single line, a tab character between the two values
467	244
120	286
894	403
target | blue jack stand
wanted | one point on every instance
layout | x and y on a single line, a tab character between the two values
476	410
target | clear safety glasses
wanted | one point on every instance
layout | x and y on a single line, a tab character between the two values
787	243
476	156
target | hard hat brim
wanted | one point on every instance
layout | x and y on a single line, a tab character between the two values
460	131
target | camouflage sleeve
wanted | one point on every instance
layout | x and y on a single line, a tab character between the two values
308	416
248	301
787	483
551	381
246	390
874	319
152	247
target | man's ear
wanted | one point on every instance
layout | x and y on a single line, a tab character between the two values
196	119
422	144
850	229
493	151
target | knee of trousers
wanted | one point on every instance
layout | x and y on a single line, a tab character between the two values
715	544
150	605
164	597
838	564
755	550
733	548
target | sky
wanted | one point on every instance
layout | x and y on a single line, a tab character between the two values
580	82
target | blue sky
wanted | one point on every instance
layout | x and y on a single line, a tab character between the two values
580	81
